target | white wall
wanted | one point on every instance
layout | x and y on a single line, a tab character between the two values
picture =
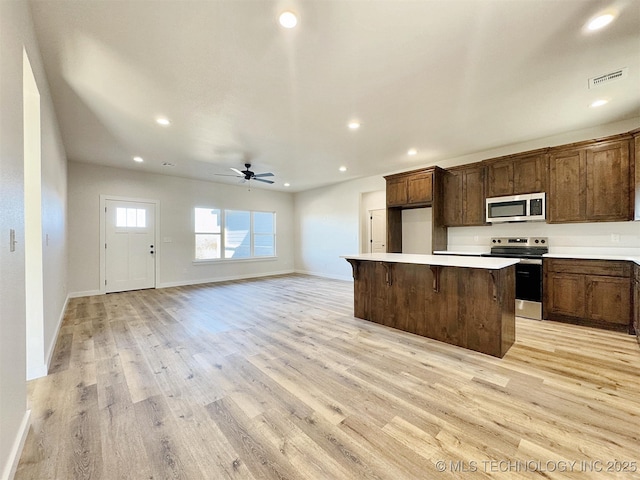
608	238
416	230
177	198
16	33
327	226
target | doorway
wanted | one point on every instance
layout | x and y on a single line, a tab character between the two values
33	263
129	251
378	231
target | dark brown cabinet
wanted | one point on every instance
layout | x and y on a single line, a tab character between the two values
464	199
468	307
396	192
590	183
415	189
410	189
517	174
591	292
420	188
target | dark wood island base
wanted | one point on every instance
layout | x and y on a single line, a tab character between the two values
468	306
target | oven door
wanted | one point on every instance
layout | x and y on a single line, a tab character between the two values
529	288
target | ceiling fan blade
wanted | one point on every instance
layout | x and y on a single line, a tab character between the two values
237	171
225	175
262	180
263	175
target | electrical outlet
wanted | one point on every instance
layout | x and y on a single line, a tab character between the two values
615	238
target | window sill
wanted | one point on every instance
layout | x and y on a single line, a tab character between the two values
233	260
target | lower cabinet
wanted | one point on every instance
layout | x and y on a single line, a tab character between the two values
472	308
590	292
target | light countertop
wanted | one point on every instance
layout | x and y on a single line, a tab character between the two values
459	252
490	263
594	256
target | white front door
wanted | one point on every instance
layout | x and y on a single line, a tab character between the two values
130	246
378	229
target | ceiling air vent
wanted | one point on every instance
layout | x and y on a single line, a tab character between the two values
608	78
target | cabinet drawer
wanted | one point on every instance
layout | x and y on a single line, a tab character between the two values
611	268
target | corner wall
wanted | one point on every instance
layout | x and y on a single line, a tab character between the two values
16	33
328	219
327	224
177	198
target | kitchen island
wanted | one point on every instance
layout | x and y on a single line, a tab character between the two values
463	301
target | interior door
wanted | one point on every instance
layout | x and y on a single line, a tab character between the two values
130	246
378	231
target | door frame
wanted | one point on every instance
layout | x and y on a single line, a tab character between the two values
103	236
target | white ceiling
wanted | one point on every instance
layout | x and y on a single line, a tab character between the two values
447	77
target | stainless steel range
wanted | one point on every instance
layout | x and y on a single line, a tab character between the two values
528	272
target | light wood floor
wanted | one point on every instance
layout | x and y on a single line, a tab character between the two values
275	379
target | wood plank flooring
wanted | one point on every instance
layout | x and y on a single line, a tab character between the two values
274	378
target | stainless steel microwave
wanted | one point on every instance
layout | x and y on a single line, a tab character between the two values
516	208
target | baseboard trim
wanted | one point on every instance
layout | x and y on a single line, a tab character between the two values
88	293
185	283
324	275
16	451
54	339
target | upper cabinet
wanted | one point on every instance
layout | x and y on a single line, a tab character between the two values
517	174
410	189
464	196
590	182
415	189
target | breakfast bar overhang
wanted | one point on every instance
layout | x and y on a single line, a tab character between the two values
463	301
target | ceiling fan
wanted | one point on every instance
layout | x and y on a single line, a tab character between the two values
247	174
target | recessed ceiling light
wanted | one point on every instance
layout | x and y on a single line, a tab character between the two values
412	152
163	121
343	168
287	184
354	125
600	21
288	19
138	159
599	103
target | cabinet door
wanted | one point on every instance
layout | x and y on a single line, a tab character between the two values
565	200
529	174
396	192
420	188
608	299
452	210
500	180
473	204
607	182
565	294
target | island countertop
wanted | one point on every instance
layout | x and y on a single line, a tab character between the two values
489	263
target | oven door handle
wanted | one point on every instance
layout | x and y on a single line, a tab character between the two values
531	261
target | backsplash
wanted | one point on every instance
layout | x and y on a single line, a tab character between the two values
607	238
